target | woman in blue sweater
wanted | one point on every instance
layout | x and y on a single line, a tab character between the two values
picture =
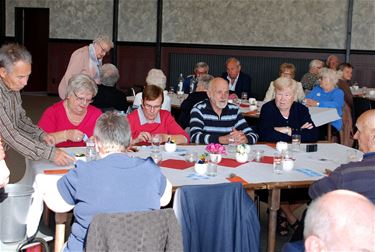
327	95
282	117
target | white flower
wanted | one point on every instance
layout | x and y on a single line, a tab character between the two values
243	148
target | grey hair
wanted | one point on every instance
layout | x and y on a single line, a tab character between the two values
233	59
282	82
112	132
201	65
331	75
156	77
316	63
103	39
12	53
80	82
109	75
204	80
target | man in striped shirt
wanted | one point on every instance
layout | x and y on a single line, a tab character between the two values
214	120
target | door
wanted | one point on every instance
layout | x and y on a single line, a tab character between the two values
32	30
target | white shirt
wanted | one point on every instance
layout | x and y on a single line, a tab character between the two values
232	86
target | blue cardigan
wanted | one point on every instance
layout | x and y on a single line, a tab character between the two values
271	117
332	99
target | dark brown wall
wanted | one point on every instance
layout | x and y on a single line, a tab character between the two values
135	60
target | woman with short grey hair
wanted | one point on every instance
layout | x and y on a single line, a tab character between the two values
72	120
155	77
327	95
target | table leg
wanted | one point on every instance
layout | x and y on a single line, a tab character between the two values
60	219
274	205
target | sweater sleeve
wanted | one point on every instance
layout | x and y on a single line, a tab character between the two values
307	135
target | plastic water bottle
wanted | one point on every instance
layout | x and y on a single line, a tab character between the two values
90	150
180	83
192	84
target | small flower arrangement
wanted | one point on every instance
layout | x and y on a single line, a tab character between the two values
215	148
243	149
202	159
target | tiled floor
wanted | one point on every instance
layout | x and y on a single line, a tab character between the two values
35	105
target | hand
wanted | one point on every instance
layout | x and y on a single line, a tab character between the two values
284	130
62	158
143	137
74	135
239	136
307	125
2	153
49	140
310	102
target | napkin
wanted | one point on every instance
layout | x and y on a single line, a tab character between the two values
230	162
176	164
266	160
238	179
58	171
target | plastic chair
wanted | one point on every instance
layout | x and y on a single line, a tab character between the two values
138	231
220	217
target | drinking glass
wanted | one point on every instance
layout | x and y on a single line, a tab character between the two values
277	163
155	143
351	155
191	157
157	157
258	155
231	144
212	165
296	142
244	97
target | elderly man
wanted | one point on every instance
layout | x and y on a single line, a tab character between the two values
108	96
149	119
16	129
215	121
332	62
200	94
190	82
310	79
86	60
355	176
238	81
340	221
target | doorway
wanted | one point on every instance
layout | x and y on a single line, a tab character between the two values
32	30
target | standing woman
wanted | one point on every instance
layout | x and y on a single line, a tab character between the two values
86	60
68	120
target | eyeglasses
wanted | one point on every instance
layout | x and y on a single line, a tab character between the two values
101	47
149	107
82	99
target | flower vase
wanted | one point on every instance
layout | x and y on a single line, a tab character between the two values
242	157
215	158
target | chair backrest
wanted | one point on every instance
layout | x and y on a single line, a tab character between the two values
138	231
361	105
220	217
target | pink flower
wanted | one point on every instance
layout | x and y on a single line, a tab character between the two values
215	148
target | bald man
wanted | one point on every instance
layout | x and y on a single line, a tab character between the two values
340	220
355	176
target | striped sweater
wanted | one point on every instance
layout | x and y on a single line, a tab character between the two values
206	126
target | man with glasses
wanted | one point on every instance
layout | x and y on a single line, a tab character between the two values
149	119
311	78
86	60
16	129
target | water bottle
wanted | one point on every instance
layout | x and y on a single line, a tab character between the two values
180	83
90	150
192	85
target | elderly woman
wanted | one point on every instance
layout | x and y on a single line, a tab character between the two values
68	121
155	77
310	79
150	119
327	95
282	117
112	184
86	60
286	70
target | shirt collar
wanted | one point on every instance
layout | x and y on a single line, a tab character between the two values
232	86
142	118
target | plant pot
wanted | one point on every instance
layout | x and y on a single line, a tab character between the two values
215	158
242	158
201	169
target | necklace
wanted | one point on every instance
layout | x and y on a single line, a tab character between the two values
70	117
